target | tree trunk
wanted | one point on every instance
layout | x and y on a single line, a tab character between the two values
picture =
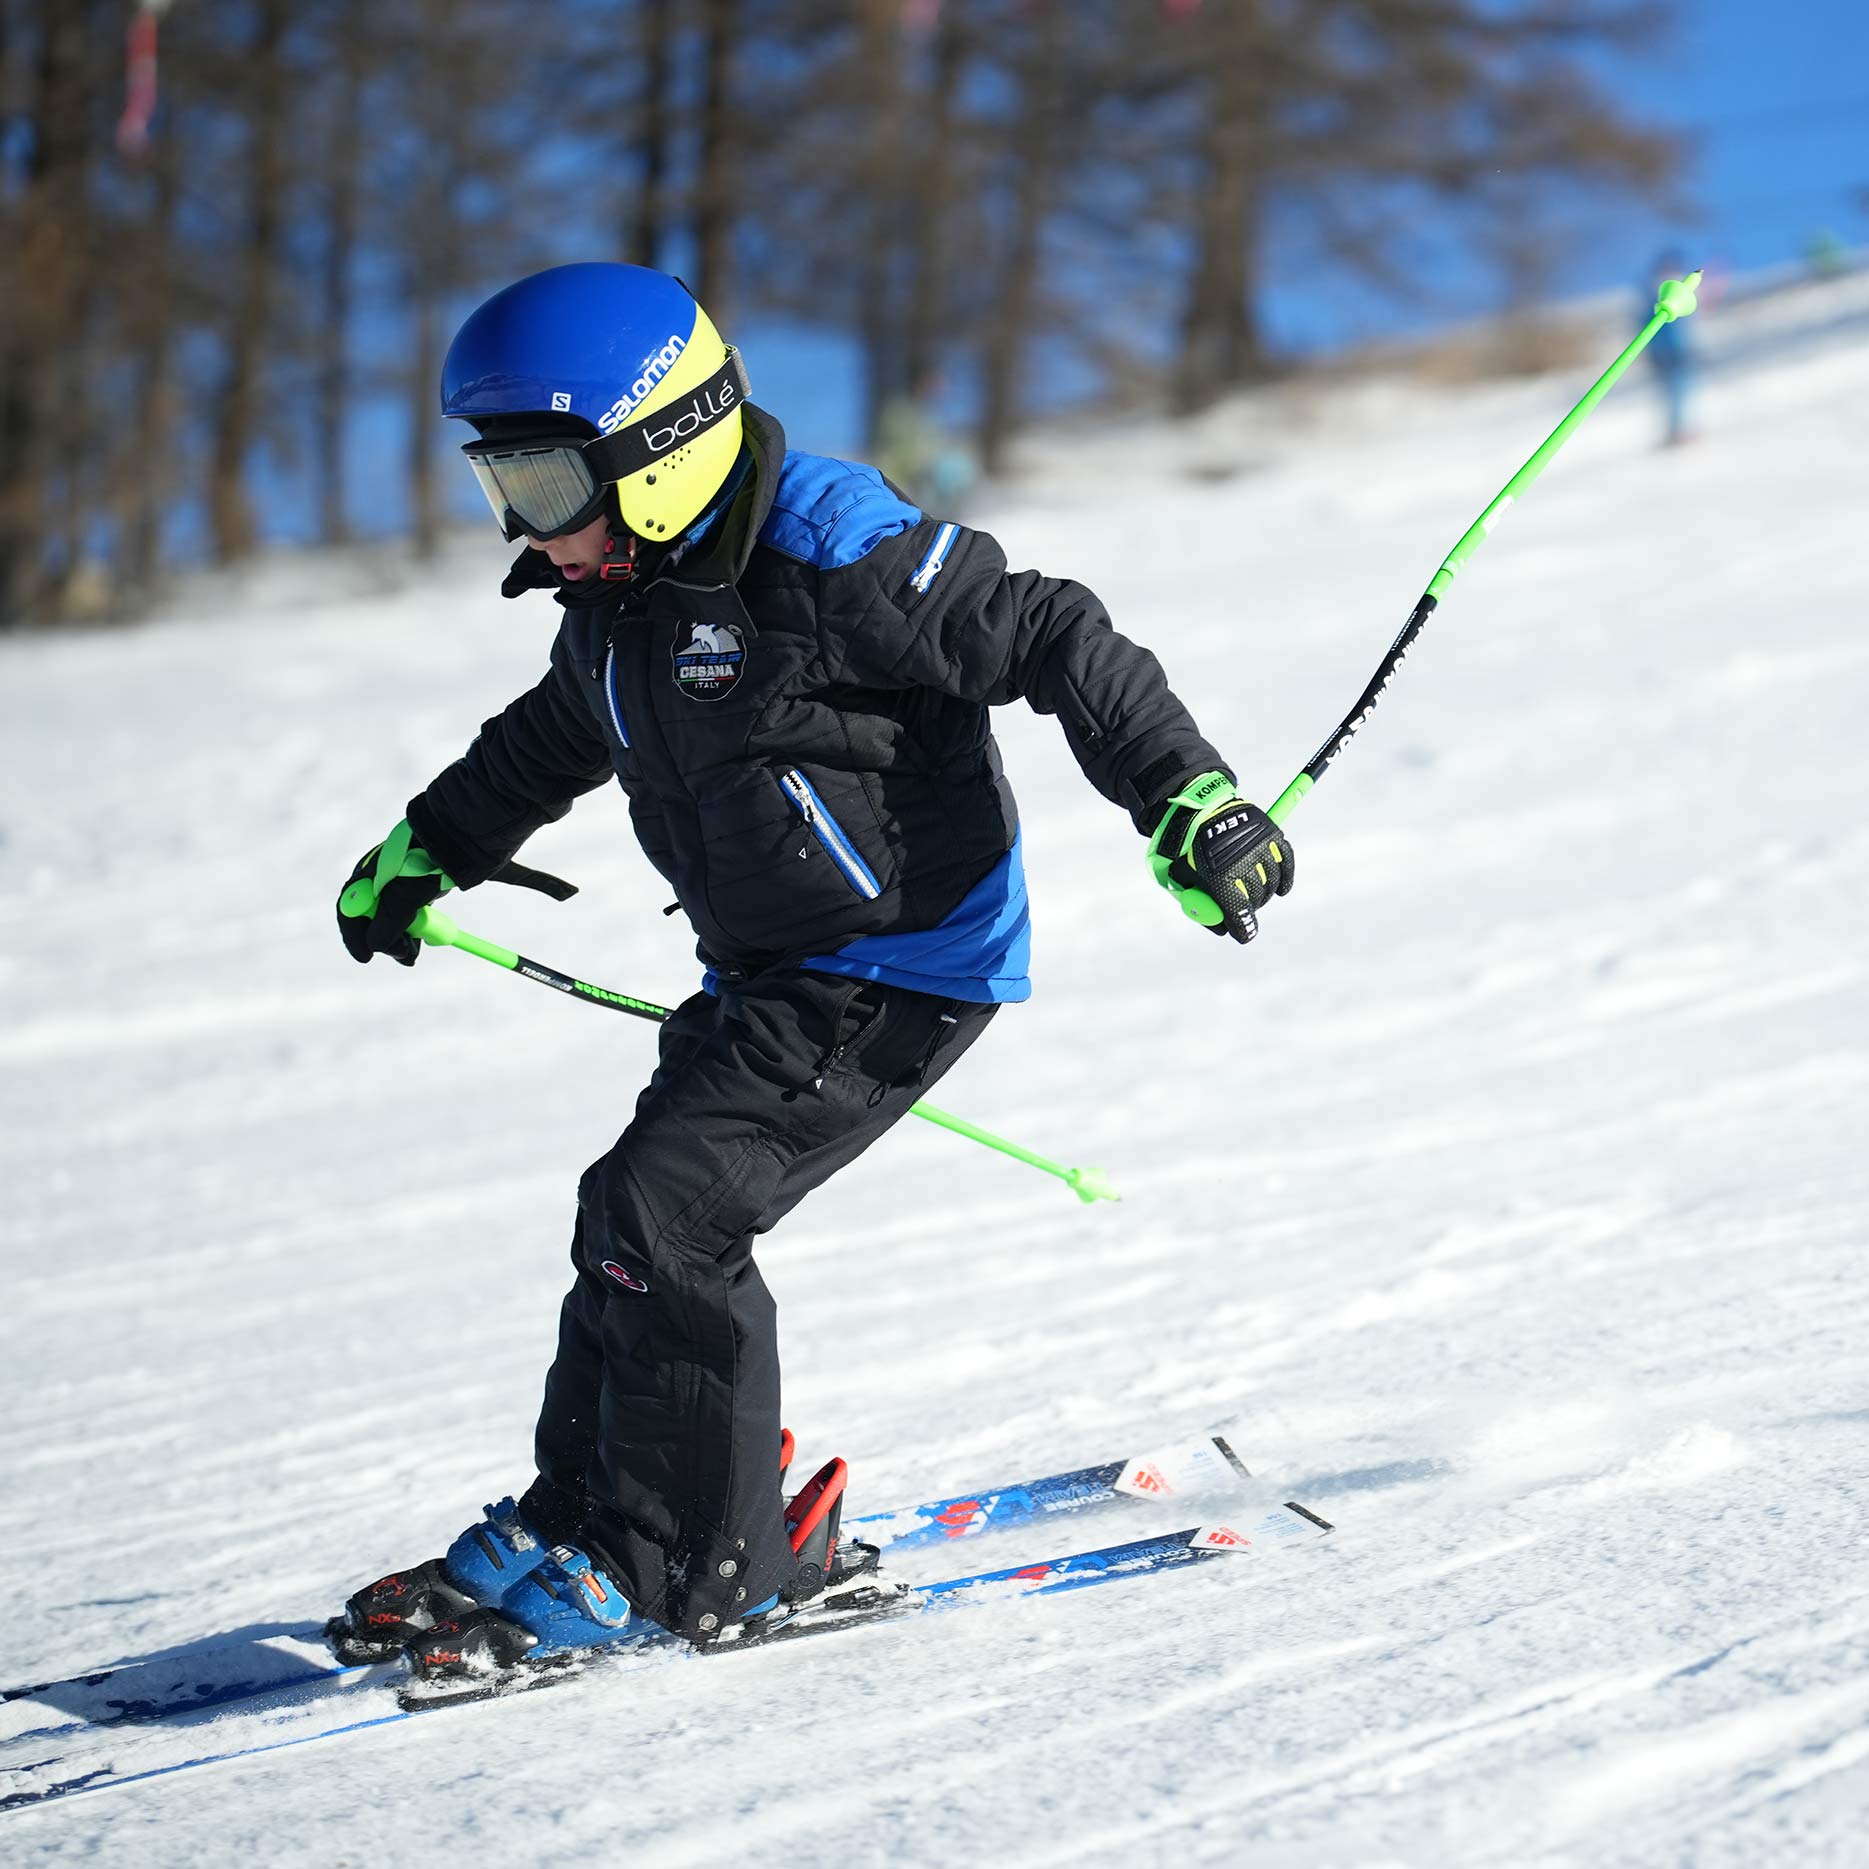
648	219
924	317
237	412
880	73
148	479
429	261
43	229
343	204
714	186
1221	346
425	506
1034	152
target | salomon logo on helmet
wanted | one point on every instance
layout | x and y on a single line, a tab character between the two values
659	366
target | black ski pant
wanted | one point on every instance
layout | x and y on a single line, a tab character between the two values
658	1444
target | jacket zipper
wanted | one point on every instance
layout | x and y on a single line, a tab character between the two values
829	833
610	695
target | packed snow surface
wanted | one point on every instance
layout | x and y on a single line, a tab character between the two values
1506	1202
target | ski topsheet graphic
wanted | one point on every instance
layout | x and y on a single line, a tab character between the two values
348	1700
1194	1467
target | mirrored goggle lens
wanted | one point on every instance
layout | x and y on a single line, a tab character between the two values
544	489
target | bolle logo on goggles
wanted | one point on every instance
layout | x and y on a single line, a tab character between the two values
704	408
654	371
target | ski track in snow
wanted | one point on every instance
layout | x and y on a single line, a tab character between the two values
1506	1203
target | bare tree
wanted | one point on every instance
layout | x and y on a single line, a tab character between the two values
347	50
238	401
647	216
716	166
879	61
1345	114
1219	341
44	216
1035	150
468	215
933	188
146	474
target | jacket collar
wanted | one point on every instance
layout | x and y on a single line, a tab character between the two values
721	556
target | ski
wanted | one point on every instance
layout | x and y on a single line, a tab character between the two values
219	1674
310	1703
1193	1467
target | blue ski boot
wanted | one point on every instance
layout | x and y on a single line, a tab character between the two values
481	1566
566	1609
557	1613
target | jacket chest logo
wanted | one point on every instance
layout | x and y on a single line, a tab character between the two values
709	659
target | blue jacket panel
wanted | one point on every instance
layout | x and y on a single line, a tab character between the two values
828	514
982	951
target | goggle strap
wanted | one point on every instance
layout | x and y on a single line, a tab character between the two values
644	442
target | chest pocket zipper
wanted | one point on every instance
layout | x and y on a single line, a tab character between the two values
611	697
829	833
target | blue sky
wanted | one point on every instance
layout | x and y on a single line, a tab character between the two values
1777	97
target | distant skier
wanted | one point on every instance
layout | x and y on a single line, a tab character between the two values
916	451
1669	355
787	666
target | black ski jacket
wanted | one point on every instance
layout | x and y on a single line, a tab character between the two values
797	712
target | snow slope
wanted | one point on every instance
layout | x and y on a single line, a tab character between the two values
1509	1197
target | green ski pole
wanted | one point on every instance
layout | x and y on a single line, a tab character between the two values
438	930
1675	299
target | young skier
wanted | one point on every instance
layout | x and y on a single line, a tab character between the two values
787	668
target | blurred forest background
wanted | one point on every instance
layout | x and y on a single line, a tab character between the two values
219	294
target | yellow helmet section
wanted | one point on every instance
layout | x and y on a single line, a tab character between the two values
664	499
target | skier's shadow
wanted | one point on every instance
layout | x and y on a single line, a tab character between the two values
202	1673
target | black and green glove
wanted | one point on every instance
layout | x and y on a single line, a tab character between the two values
390	886
1222	859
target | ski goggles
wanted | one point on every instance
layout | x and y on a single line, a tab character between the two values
555	484
542	488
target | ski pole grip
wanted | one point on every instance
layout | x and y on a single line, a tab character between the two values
433	927
439	930
1286	802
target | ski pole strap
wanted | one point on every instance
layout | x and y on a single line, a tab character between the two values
1674	298
1183	815
542	880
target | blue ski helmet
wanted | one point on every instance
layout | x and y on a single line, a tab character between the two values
628	353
